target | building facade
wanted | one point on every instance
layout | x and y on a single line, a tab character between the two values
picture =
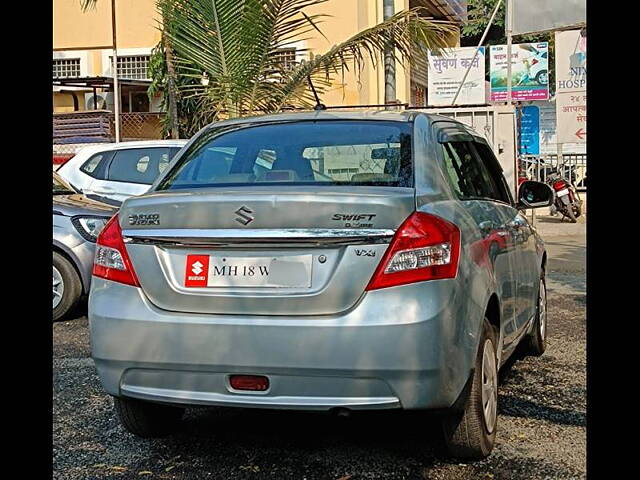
82	48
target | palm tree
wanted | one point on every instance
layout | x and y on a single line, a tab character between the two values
235	46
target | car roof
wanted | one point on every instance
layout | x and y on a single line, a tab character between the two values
385	115
134	144
337	114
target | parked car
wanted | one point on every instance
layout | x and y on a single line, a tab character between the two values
278	287
539	71
117	171
77	221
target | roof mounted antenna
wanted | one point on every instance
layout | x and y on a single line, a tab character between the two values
319	105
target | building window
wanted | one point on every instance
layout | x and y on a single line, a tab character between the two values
134	67
285	58
66	68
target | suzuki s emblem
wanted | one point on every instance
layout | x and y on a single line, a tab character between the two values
244	215
196	268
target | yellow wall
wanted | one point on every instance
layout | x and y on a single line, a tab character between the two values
136	28
63	102
136	22
345	18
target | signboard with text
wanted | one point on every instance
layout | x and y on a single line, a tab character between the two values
529	72
530	130
571	86
447	71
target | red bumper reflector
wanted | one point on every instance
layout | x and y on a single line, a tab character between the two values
255	383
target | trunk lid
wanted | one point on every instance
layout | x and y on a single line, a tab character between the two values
294	250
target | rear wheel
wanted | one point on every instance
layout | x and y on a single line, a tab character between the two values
569	213
146	419
471	433
577	210
536	342
66	286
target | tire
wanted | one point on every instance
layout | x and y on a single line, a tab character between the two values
577	210
542	78
568	211
470	433
67	287
146	419
536	342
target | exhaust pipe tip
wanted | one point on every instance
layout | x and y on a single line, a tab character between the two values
340	412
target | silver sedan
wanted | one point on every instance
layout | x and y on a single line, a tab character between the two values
325	261
77	221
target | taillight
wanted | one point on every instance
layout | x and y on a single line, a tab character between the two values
534	61
425	247
559	185
111	260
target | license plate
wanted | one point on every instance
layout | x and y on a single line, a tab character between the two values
563	192
293	271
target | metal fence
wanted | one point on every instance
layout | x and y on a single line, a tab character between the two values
75	130
572	166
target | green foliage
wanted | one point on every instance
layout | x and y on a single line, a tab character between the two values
479	12
236	45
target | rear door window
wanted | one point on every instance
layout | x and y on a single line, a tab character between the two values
491	164
469	177
307	152
138	165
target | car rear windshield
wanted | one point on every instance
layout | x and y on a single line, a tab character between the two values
297	153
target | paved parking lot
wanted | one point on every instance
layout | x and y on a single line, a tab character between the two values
542	423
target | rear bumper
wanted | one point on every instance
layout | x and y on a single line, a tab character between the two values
403	347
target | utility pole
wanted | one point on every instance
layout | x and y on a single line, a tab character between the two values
114	69
484	35
389	59
509	32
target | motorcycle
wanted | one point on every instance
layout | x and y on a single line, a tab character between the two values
567	200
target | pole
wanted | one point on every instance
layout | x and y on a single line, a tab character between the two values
389	59
484	35
509	30
116	84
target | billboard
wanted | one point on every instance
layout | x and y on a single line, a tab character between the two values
571	86
529	72
445	74
542	15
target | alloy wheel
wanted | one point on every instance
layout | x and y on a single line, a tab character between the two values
489	386
542	309
58	287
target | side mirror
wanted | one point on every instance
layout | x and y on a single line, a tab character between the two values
534	195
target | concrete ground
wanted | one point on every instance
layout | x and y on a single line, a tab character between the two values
541	427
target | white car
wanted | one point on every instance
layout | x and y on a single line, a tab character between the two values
116	171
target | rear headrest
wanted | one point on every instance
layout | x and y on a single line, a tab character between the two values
302	166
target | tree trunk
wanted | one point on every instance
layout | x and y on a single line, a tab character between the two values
171	86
